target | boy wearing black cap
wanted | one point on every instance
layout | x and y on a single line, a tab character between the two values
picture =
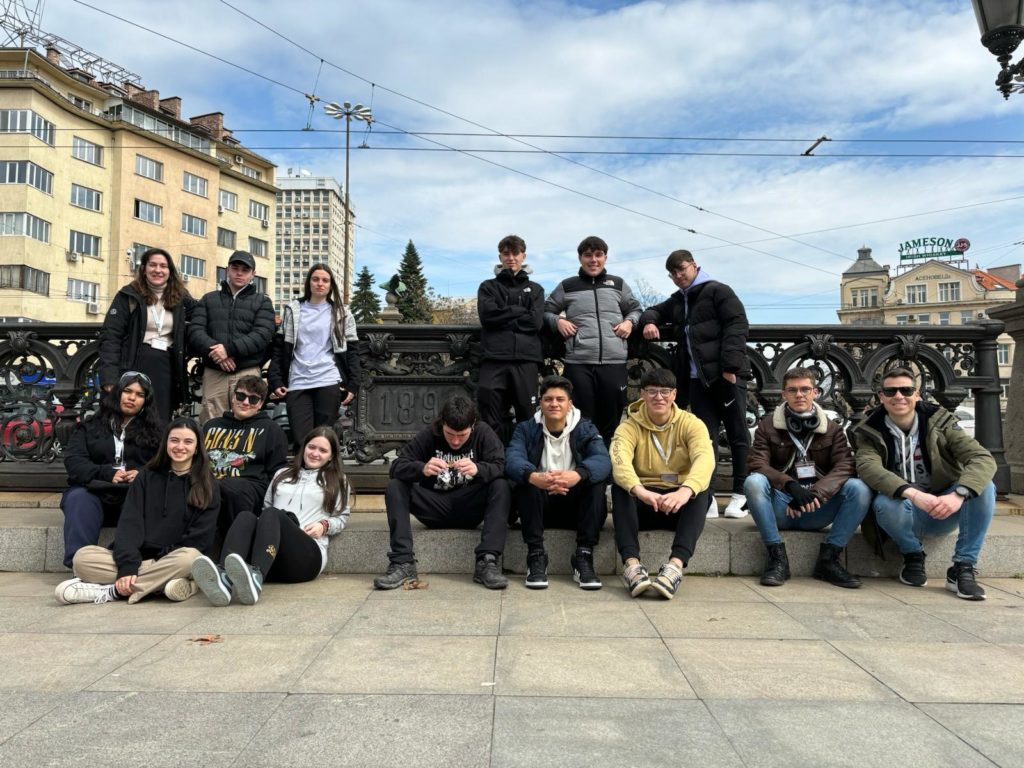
230	332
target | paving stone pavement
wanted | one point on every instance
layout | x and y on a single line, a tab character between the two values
332	673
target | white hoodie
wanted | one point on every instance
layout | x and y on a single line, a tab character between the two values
557	453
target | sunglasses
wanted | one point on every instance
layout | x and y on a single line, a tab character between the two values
129	376
241	397
905	391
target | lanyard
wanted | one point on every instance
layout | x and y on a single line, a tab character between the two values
802	448
665	456
158	319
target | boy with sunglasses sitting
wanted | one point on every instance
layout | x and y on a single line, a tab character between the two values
931	478
245	447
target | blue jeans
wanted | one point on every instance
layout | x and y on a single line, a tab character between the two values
84	516
907	524
844	511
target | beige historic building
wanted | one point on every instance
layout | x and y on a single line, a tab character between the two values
932	291
311	230
93	172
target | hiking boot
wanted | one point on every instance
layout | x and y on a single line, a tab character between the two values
735	508
78	591
212	581
668	579
246	580
828	568
912	573
637	579
537	570
179	590
776	565
396	575
489	574
713	508
961	581
583	572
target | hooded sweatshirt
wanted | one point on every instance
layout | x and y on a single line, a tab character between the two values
686	456
253	448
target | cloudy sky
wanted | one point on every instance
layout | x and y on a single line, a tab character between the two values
656	125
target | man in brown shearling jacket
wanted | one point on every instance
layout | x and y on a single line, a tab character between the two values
801	478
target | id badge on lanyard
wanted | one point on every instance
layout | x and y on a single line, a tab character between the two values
805	470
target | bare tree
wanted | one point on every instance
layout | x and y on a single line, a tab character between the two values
646	293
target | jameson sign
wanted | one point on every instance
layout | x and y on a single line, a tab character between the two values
930	247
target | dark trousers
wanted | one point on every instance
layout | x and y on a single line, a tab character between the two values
308	408
504	384
630	516
599	391
724	403
237	495
84	515
462	508
156	364
274	543
583	510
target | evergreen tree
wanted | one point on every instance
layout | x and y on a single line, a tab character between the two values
365	304
414	304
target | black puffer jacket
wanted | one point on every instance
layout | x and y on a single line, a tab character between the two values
243	324
89	454
511	309
718	330
122	333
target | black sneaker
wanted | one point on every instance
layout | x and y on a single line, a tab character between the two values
961	581
396	575
488	573
583	572
537	570
912	574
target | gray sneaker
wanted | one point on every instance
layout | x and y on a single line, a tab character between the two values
246	580
396	575
212	581
488	573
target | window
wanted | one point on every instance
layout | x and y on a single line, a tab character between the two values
924	319
257	247
259	210
861	297
24	224
148	212
225	238
943	318
87	151
151	169
966	316
949	291
26	121
80	102
190	265
80	242
228	200
193	225
917	294
83	197
25	278
901	319
80	290
148	122
1003	354
251	173
26	172
195	184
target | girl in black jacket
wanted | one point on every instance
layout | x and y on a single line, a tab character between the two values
144	330
168	520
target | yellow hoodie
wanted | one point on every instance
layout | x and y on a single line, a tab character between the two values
684	439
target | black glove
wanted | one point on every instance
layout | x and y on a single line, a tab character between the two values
802	495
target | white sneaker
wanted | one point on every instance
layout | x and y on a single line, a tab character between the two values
735	508
713	508
78	591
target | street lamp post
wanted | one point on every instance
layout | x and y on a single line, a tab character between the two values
347	111
1002	28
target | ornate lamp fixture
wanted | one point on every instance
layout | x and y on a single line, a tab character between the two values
1002	28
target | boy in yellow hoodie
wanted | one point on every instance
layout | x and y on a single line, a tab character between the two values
662	460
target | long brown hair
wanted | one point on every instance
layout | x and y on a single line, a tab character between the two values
333	298
175	291
329	477
202	491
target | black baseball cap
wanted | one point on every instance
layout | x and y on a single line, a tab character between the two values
243	257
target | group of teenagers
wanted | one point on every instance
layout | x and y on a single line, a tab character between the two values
915	473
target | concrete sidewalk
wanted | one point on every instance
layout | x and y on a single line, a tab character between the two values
333	673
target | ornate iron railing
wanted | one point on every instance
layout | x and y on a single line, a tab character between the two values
48	379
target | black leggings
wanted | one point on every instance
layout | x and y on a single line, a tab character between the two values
274	543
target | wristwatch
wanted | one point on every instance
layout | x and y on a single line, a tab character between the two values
963	492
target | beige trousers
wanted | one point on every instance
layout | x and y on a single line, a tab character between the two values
218	389
96	565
